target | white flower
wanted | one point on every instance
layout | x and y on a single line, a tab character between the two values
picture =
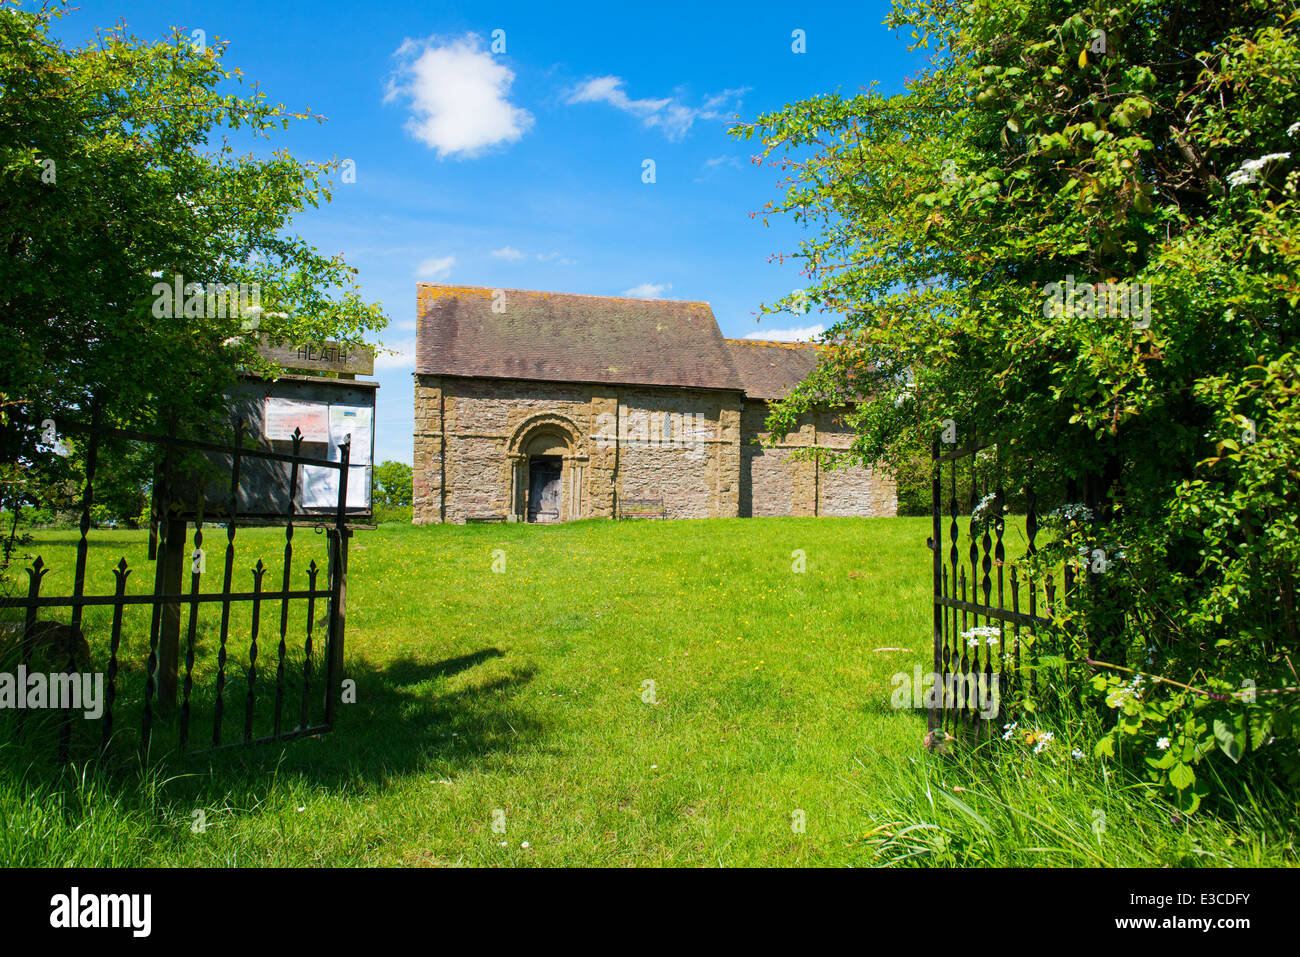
1071	512
1010	729
1249	170
982	631
1163	744
1293	129
977	513
1077	754
1044	740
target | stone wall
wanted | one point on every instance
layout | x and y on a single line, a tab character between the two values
472	442
692	448
773	483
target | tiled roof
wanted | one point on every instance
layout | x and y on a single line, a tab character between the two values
770	369
565	337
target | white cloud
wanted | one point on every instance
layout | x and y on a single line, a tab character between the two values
435	267
804	334
507	252
402	356
557	259
456	92
647	290
669	114
715	163
608	89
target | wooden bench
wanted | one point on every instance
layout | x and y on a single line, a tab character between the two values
642	508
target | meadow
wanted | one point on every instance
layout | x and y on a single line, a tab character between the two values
689	693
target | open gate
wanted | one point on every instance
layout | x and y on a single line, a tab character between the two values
226	690
985	606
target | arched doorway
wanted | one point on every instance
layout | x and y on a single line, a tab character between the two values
547	470
545	478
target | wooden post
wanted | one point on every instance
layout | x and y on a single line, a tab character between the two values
159	677
170	631
339	587
338	618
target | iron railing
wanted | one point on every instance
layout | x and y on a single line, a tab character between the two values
300	702
988	610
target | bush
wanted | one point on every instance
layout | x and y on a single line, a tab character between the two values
1153	152
394	484
393	514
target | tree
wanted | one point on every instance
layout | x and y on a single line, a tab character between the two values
1075	235
119	185
394	484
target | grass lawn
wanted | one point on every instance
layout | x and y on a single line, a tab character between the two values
641	693
526	691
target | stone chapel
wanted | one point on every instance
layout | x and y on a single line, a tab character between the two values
549	406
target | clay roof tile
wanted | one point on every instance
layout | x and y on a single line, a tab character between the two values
478	332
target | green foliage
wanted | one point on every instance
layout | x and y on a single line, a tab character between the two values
123	482
912	481
393	484
118	172
1039	800
1160	158
393	514
913	475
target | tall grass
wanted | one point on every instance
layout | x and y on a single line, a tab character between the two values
1000	804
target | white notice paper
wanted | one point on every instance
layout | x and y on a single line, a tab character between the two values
281	416
320	486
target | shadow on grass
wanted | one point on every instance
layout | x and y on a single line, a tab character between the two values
409	671
405	718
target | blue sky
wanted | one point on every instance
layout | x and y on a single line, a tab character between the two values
524	168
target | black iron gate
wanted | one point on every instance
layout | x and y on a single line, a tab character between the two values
218	695
987	610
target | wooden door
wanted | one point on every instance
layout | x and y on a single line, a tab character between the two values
544	490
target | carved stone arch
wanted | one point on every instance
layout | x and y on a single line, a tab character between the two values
553	435
543	424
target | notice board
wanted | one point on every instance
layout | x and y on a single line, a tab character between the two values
326	412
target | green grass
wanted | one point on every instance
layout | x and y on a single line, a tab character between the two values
524	692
